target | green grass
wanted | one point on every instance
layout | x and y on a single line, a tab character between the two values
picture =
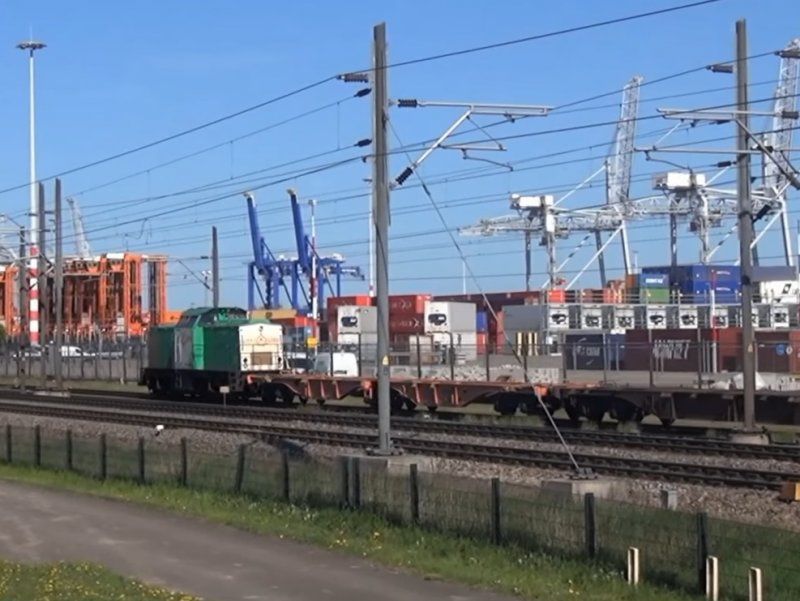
432	554
75	582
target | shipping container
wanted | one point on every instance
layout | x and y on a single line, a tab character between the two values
593	317
779	291
658	296
774	273
408	303
536	318
352	319
481	321
482	341
407	324
613	295
653	277
272	314
662	350
449	317
594	351
682	275
361	300
555	296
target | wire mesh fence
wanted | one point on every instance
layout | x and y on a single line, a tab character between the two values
674	545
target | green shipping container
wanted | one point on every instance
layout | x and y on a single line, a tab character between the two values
654	296
160	347
221	347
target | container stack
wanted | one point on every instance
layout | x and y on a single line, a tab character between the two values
654	286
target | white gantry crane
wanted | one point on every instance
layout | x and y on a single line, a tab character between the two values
541	214
691	196
81	243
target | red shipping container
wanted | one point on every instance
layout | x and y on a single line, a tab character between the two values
556	296
407	324
613	295
361	300
408	303
482	340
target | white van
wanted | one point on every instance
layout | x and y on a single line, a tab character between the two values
344	364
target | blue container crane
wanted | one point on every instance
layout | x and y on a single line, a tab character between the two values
292	275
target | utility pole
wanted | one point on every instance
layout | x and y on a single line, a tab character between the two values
23	307
214	267
42	292
23	283
31	47
745	206
58	281
380	211
313	284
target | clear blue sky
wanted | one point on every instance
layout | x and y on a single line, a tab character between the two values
116	76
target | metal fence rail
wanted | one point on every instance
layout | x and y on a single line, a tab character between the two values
674	545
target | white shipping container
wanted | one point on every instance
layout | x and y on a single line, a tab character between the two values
720	317
782	291
593	317
464	343
445	316
353	319
535	318
685	317
623	317
652	317
773	316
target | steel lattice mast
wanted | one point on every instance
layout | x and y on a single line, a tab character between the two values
541	215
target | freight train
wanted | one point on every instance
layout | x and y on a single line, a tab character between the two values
214	350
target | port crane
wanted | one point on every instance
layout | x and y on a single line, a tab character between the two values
301	280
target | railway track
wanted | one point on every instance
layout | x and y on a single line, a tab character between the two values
597	438
607	465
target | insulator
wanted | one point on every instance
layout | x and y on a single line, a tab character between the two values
408	103
363	92
364	142
404	176
354	78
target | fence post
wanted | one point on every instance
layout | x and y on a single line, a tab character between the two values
9	445
140	460
712	578
287	496
344	466
590	524
413	484
103	457
240	458
755	585
488	362
495	510
702	549
184	475
37	446
68	450
355	479
419	360
633	566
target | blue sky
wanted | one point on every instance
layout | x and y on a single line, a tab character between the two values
114	77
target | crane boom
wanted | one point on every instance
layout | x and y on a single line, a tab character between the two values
81	243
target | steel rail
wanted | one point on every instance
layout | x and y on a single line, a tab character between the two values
665	443
607	465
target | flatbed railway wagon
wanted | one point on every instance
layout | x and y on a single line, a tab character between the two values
211	348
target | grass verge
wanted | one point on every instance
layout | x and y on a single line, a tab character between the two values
75	582
431	554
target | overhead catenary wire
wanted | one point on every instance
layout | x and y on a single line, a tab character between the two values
490	308
310	86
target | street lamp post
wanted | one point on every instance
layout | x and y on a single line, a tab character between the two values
31	47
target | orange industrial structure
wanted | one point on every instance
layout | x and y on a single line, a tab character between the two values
103	296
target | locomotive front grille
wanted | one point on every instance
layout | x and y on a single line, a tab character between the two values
262	358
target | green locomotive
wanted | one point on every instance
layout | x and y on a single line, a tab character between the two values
212	348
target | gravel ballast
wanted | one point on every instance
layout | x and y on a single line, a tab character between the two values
731	503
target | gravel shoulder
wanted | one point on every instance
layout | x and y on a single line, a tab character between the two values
730	503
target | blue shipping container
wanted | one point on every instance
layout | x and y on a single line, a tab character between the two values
706	273
654	280
700	292
481	321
